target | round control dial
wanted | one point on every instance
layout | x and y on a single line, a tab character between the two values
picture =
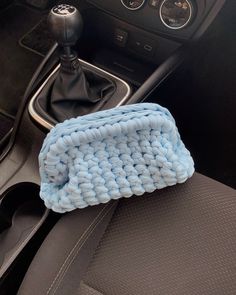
133	4
176	14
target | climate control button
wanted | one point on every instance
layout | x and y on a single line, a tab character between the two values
133	4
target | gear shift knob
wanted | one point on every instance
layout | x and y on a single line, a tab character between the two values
66	24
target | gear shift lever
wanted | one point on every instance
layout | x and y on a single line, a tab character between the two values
66	24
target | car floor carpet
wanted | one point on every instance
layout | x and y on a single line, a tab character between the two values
38	39
17	63
202	98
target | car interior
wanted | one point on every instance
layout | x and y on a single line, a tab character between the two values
75	58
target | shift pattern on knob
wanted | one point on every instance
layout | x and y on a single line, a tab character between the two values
64	9
65	23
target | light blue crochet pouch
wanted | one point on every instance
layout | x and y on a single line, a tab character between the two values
111	154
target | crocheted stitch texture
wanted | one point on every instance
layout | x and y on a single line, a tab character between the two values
111	154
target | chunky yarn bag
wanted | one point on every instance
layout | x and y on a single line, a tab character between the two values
111	154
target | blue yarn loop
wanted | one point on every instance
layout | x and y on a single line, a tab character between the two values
111	154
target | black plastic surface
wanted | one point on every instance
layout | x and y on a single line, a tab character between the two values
147	17
22	213
138	42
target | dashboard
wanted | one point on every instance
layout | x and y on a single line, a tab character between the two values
175	18
146	31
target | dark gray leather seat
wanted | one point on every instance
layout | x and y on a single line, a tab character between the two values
180	240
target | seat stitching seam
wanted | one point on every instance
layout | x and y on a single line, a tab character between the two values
76	244
77	252
94	222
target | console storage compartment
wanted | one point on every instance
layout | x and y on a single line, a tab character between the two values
22	213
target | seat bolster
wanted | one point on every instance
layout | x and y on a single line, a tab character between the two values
67	250
178	240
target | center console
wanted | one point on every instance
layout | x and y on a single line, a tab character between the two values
153	29
179	19
122	46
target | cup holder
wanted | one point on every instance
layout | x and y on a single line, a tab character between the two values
22	213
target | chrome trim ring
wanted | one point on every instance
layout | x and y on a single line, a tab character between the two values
49	125
176	28
141	5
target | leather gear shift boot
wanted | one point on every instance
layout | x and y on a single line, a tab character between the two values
66	95
74	89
